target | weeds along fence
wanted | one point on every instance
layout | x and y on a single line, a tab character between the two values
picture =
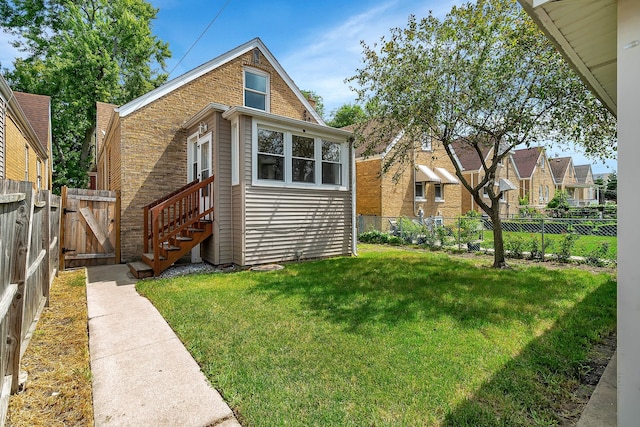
593	241
29	257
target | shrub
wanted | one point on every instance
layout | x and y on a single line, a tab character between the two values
514	247
410	230
597	256
566	246
442	233
469	226
372	236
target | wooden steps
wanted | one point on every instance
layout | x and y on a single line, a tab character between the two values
180	246
176	223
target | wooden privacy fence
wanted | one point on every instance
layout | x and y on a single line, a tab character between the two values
90	233
29	257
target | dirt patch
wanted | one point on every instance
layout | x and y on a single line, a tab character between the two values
58	387
571	408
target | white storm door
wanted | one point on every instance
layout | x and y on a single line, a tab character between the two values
204	169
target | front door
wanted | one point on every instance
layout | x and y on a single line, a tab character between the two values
199	167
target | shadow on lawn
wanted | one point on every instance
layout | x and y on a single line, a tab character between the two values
361	292
534	387
551	366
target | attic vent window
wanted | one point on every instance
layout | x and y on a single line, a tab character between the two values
256	56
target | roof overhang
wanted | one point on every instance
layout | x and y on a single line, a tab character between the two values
200	115
585	33
290	123
19	115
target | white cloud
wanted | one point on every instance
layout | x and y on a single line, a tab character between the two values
325	59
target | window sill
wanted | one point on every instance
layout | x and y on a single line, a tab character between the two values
439	200
298	186
420	199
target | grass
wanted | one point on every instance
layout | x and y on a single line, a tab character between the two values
584	246
393	337
58	387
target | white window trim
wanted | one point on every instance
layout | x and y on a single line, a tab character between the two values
426	142
422	198
26	163
439	199
267	101
288	181
38	174
191	139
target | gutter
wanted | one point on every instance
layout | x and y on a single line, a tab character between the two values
354	228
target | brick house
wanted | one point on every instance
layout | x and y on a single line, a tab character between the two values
283	185
535	176
426	184
566	179
25	137
506	178
585	195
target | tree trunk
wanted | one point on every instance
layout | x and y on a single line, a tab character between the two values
498	242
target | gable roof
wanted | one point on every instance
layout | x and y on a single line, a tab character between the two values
468	156
384	144
36	109
526	160
582	173
559	167
203	69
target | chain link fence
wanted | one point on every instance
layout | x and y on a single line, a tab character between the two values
593	241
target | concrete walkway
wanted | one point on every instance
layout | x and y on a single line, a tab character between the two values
142	374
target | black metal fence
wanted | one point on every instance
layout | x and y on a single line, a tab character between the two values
590	240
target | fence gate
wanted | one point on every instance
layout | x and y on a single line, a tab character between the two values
90	233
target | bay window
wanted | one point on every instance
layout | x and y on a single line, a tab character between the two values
298	159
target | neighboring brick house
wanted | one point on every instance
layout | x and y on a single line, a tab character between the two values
565	179
283	179
535	176
506	178
585	195
426	184
25	137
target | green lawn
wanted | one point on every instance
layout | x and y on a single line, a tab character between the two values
583	247
392	337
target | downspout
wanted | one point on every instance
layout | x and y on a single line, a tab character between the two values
354	229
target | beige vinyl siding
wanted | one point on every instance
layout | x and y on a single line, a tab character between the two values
237	204
238	191
218	249
287	224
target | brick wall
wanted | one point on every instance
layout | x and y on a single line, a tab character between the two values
15	155
542	178
451	206
368	187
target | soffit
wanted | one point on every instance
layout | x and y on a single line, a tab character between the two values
585	32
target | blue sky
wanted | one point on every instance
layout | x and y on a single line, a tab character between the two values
317	43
